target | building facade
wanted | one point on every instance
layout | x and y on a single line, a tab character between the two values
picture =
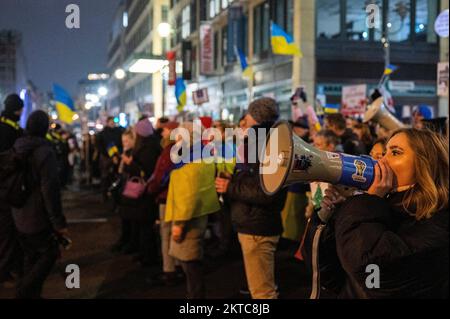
9	45
338	49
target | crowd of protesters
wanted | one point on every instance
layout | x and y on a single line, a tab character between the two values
167	209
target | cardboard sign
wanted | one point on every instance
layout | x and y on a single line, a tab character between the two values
200	96
354	99
442	79
206	49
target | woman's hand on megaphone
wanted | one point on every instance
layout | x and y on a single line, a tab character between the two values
383	182
332	198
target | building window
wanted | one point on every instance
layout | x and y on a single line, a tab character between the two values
226	3
186	22
214	8
216	50
399	20
164	14
224	45
356	20
426	12
328	19
262	28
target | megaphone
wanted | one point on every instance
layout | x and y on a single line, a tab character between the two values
287	159
378	112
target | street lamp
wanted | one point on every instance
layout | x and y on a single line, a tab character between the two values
102	91
120	74
164	29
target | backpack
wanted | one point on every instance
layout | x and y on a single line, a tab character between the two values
15	177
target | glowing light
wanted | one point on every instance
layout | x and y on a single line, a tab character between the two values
389	25
75	117
120	74
365	35
147	66
23	92
102	91
164	29
99	126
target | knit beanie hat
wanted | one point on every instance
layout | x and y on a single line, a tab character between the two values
13	103
144	128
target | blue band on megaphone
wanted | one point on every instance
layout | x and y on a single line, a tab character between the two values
357	171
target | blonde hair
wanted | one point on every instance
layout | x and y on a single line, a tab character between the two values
430	192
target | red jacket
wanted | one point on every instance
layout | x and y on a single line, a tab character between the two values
163	168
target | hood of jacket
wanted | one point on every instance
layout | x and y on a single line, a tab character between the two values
28	144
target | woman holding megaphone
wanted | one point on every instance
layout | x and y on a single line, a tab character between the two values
391	241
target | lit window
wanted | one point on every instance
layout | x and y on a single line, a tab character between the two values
399	21
328	19
426	12
125	19
186	22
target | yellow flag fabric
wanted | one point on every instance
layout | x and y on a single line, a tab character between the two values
293	216
192	192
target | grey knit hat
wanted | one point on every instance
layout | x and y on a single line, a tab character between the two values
264	110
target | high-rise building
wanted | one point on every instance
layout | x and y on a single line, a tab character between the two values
134	35
9	43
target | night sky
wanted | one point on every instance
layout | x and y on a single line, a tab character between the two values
53	52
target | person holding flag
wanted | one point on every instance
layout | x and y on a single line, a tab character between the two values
64	104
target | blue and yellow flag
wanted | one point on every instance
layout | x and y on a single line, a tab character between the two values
112	150
247	70
64	104
390	69
180	94
282	42
331	108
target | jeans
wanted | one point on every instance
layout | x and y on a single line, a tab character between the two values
259	262
40	254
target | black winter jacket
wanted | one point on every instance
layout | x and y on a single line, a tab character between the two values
43	209
252	211
412	255
145	157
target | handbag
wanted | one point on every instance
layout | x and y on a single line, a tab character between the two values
134	188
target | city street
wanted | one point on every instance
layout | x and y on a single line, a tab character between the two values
94	229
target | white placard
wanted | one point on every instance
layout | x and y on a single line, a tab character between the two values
441	24
354	99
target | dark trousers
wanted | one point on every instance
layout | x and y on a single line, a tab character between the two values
147	241
194	279
40	254
10	252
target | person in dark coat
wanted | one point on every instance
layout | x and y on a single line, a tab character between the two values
41	217
399	228
350	144
143	211
256	216
10	131
109	145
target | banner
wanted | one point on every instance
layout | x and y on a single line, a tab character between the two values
442	79
354	99
236	31
200	96
206	49
186	54
172	59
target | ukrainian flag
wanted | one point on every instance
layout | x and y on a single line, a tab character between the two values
390	69
64	104
283	43
112	150
331	108
180	94
247	71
